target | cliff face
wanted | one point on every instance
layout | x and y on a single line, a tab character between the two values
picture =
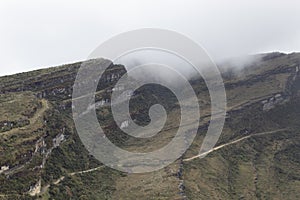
256	157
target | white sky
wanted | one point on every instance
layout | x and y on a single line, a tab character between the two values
36	34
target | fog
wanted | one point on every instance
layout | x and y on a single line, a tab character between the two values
158	60
37	34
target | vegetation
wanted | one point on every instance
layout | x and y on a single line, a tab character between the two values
265	166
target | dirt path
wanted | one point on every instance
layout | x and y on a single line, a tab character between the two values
230	143
75	173
86	171
38	115
33	120
40	112
45	188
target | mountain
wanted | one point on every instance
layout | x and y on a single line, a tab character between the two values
256	157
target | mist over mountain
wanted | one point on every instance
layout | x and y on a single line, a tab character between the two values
34	37
256	157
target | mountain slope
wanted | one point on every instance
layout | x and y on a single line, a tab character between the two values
42	156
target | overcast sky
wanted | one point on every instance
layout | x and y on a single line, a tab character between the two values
36	34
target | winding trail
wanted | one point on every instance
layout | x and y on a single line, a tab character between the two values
56	182
86	171
39	113
230	143
75	173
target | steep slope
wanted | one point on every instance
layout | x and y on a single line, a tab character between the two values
256	157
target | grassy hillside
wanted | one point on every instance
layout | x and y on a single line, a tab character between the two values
256	157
